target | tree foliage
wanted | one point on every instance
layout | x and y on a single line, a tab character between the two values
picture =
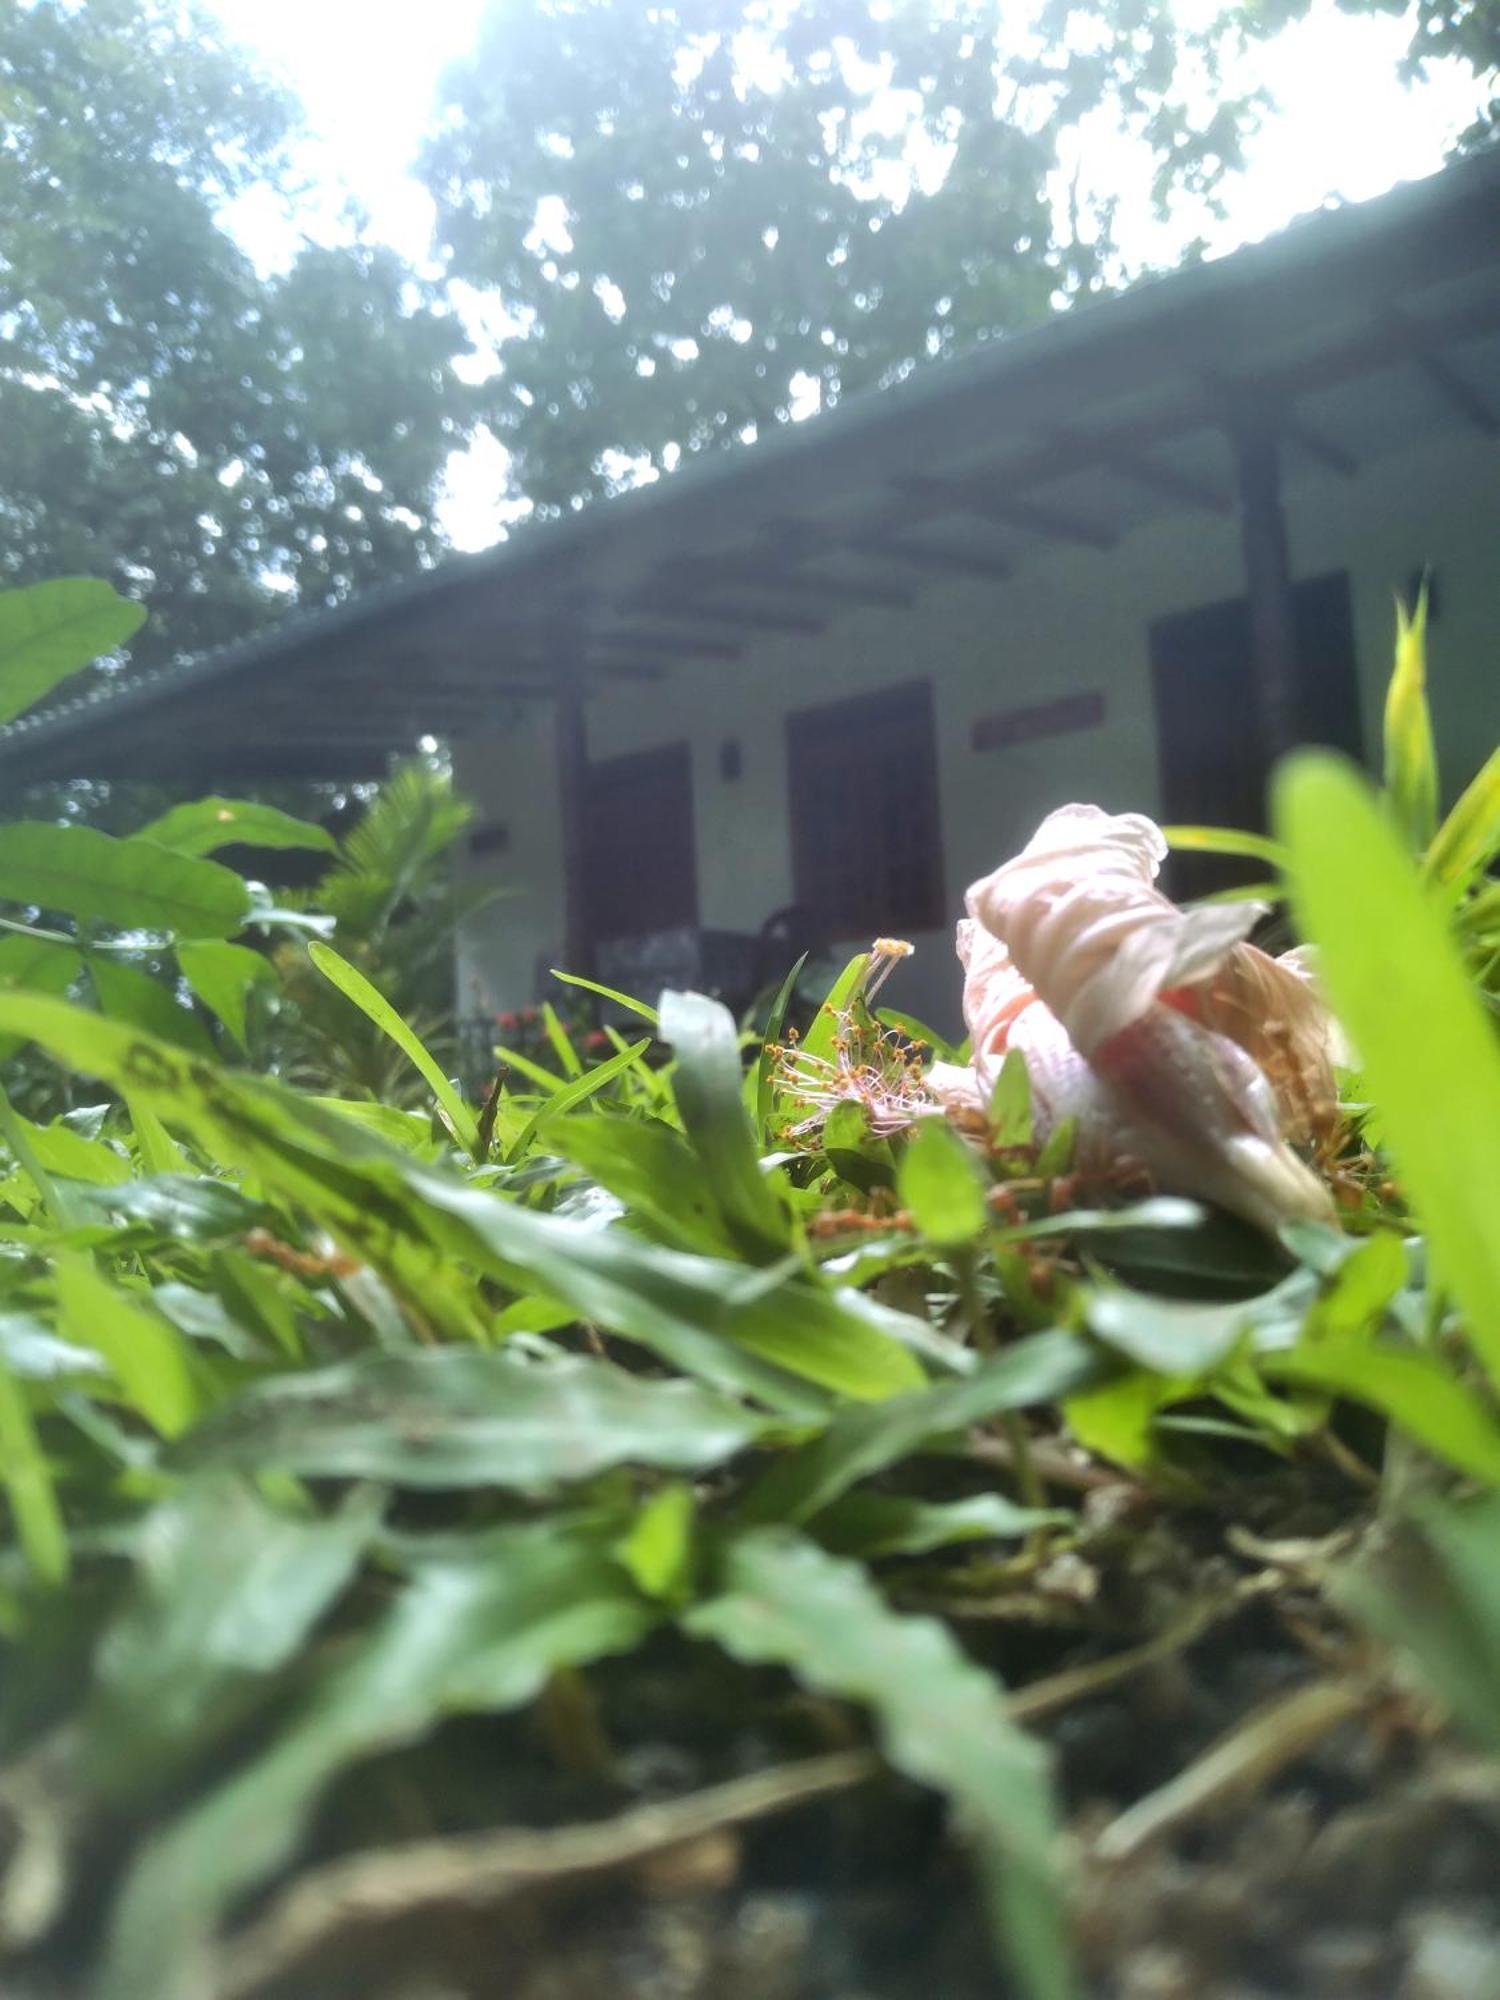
704	216
217	441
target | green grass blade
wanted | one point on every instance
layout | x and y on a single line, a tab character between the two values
765	1068
28	1483
607	993
707	1083
1411	778
456	1115
1225	840
1469	838
583	1087
1431	1060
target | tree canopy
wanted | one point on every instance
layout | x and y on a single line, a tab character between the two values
705	216
217	441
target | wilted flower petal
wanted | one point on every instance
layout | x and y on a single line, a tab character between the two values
1086	927
1172	1042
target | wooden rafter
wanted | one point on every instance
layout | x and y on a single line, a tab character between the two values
767	573
670	645
671	602
891	547
1315	443
990	497
1460	395
1142	470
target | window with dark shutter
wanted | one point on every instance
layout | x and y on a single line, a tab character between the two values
866	841
640	867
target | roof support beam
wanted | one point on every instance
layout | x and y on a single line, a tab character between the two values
1319	447
991	499
671	645
1309	439
1273	633
1460	396
534	642
670	602
571	746
931	555
769	574
1156	477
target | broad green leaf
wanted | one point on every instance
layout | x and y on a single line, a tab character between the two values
1411	779
455	1417
843	996
33	1353
861	1442
918	1031
888	1524
854	1153
1010	1103
765	1333
938	1183
410	1130
197	1631
37	963
64	1151
1469	838
481	1634
1117	1420
193	1207
1430	1056
1361	1289
50	630
355	987
222	975
1413	1390
1168	1336
203	826
658	1548
941	1720
205	1316
707	1084
1055	1157
144	1353
122	884
1225	840
652	1169
126	993
695	1311
1158	1212
27	1479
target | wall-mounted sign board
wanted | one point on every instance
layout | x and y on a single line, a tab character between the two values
1009	726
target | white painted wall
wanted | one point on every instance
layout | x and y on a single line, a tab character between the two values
1070	620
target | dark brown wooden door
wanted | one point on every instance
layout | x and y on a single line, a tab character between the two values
1212	764
641	872
867	851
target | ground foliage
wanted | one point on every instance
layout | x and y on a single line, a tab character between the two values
403	1498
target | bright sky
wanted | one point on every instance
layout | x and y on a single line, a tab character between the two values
366	72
